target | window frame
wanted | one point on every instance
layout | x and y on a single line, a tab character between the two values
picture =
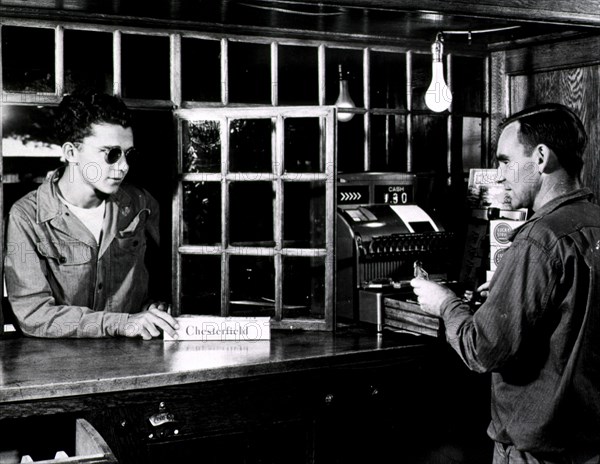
279	177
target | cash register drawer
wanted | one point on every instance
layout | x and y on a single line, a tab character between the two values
88	447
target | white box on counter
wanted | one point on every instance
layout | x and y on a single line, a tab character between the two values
215	328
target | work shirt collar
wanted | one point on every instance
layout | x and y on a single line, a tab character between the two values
552	205
119	213
50	206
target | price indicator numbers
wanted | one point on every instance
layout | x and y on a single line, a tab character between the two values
393	194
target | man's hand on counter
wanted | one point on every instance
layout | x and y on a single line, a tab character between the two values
431	296
151	323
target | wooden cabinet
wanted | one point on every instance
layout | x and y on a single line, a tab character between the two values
421	410
314	397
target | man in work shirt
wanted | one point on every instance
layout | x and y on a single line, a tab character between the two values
538	331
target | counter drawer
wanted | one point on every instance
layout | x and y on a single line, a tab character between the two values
87	447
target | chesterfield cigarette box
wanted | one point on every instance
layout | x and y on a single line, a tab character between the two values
215	328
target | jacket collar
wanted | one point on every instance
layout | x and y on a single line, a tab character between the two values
574	195
50	206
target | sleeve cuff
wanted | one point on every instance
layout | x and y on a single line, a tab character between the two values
116	324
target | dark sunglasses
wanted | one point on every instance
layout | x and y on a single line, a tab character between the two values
112	155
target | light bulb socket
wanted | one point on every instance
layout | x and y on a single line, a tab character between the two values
437	48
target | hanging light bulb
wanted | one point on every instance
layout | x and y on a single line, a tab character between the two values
438	96
344	100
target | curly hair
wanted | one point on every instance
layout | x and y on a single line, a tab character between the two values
77	112
556	126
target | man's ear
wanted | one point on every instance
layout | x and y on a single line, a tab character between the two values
68	150
545	159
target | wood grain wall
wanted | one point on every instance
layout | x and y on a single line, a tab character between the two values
577	88
576	85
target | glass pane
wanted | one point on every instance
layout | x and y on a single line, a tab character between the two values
302	145
388	143
252	280
29	131
20	176
351	61
201	213
30	150
201	148
304	214
466	144
201	285
298	75
250	145
88	61
200	70
249	73
303	287
251	214
27	59
351	134
430	143
388	80
153	136
145	66
468	83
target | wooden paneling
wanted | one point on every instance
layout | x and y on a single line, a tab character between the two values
410	23
579	89
567	11
566	54
498	99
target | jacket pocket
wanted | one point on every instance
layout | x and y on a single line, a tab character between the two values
69	268
66	253
132	239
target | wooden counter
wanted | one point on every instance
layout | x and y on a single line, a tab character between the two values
33	369
306	390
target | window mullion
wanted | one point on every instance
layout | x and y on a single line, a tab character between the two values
225	235
278	217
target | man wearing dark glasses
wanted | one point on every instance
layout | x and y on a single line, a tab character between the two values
75	261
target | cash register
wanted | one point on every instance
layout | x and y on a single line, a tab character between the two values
382	230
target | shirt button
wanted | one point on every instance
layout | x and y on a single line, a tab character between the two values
62	260
135	243
100	286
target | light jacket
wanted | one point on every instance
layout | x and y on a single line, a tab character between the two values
60	283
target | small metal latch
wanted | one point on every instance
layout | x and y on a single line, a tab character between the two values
161	418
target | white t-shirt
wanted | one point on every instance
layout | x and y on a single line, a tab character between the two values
92	218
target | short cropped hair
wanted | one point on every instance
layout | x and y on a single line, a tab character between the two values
556	126
77	112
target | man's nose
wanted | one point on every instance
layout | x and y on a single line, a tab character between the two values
122	164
